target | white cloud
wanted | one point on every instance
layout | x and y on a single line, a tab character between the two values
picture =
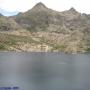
17	5
60	5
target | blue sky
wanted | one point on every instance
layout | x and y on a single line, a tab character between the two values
12	7
8	13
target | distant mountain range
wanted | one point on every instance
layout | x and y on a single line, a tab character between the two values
44	30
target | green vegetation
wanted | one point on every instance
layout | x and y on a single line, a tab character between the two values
88	49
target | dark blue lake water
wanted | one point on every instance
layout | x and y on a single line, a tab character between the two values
45	71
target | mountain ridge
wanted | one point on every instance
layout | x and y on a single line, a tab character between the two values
43	5
44	29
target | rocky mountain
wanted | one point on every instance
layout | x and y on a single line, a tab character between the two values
41	18
44	29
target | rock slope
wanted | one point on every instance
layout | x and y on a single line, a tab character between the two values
44	30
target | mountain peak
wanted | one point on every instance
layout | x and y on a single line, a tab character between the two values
39	6
72	9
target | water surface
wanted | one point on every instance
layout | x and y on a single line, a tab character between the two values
45	71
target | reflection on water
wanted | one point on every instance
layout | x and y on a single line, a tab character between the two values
45	71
